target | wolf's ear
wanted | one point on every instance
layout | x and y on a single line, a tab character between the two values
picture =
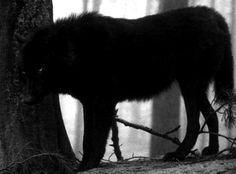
19	38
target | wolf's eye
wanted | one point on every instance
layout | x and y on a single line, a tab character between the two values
40	70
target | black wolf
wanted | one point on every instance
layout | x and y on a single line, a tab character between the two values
102	60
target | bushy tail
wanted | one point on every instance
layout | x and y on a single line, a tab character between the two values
224	78
224	86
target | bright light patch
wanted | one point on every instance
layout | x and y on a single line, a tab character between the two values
62	8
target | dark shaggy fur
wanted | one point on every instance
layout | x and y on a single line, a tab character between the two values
102	60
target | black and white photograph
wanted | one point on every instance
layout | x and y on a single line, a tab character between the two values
117	86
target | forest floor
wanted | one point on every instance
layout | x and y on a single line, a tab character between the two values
222	165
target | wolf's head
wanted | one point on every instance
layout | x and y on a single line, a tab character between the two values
36	67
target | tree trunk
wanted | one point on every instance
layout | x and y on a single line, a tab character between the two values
96	5
27	130
166	5
85	5
166	107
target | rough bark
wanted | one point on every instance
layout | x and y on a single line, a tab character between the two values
26	130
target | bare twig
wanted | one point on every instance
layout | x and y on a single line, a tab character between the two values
109	158
212	114
115	139
231	140
173	130
136	157
233	143
147	129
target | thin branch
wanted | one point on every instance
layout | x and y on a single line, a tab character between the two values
109	158
231	140
136	157
173	130
115	139
147	129
212	114
233	143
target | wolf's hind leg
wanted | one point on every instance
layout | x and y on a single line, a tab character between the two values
193	126
212	123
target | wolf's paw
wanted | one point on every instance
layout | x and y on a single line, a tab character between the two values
87	165
209	151
173	156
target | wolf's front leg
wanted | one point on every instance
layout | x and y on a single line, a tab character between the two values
97	123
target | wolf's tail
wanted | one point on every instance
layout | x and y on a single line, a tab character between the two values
224	78
224	84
